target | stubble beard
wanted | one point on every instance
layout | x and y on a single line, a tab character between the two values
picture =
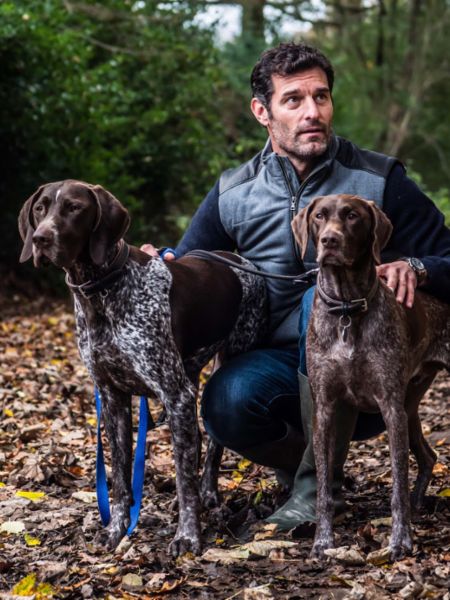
292	145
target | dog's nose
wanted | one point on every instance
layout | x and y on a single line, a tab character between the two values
329	240
43	237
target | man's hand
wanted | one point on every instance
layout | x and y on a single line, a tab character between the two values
401	279
149	249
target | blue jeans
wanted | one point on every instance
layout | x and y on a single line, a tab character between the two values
250	399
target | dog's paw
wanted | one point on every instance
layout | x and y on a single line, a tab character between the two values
400	550
182	543
319	547
109	538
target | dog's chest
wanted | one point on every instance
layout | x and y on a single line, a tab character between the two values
127	340
358	366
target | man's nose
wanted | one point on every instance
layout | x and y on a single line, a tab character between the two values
43	237
311	109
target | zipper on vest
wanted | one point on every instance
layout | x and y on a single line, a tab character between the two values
292	209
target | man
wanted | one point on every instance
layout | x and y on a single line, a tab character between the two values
250	405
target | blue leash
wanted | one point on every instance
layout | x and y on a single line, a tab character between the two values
138	468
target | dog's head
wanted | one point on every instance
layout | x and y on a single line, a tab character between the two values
344	228
69	220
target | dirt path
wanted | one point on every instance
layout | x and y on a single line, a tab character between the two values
47	467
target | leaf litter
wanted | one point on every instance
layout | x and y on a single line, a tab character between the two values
48	512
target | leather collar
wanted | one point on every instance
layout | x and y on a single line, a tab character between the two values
104	283
347	307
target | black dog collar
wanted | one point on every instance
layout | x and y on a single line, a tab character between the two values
344	308
114	272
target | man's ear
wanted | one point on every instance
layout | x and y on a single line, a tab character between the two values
26	225
111	223
381	230
301	226
260	112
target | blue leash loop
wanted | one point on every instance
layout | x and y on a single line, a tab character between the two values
138	467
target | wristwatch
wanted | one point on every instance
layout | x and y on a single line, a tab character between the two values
418	267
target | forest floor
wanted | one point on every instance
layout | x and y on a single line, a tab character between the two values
49	516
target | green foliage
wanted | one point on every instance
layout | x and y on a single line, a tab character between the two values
136	97
125	95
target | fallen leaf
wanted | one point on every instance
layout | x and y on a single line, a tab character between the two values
264	547
28	586
243	464
445	493
440	469
132	582
224	556
411	590
31	541
348	555
385	521
268	532
86	497
12	527
379	557
259	592
237	476
33	496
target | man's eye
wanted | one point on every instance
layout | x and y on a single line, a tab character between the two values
322	98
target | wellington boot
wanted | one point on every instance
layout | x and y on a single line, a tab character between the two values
301	506
283	455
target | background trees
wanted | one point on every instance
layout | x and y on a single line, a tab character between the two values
139	97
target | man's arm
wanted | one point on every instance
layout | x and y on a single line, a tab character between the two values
419	231
206	231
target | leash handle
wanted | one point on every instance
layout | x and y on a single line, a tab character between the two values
138	467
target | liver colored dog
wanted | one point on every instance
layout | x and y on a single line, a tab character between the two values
368	351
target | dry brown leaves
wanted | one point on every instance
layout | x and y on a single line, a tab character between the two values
48	513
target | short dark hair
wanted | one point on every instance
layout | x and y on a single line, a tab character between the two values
286	59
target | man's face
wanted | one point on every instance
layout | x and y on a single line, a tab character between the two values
300	115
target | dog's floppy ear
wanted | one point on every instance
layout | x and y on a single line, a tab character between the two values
26	225
110	226
300	225
381	230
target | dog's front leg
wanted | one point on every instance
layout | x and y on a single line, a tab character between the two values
324	438
116	416
182	416
395	417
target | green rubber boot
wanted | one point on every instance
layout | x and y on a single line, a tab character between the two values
301	506
283	455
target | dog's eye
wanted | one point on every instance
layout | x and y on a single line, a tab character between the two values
74	207
352	216
39	208
319	216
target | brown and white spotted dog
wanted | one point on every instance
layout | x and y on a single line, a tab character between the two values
145	327
382	357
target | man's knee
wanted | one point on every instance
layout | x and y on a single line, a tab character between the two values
229	409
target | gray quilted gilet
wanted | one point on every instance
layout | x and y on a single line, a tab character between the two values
258	200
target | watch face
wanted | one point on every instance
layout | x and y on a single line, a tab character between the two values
416	264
